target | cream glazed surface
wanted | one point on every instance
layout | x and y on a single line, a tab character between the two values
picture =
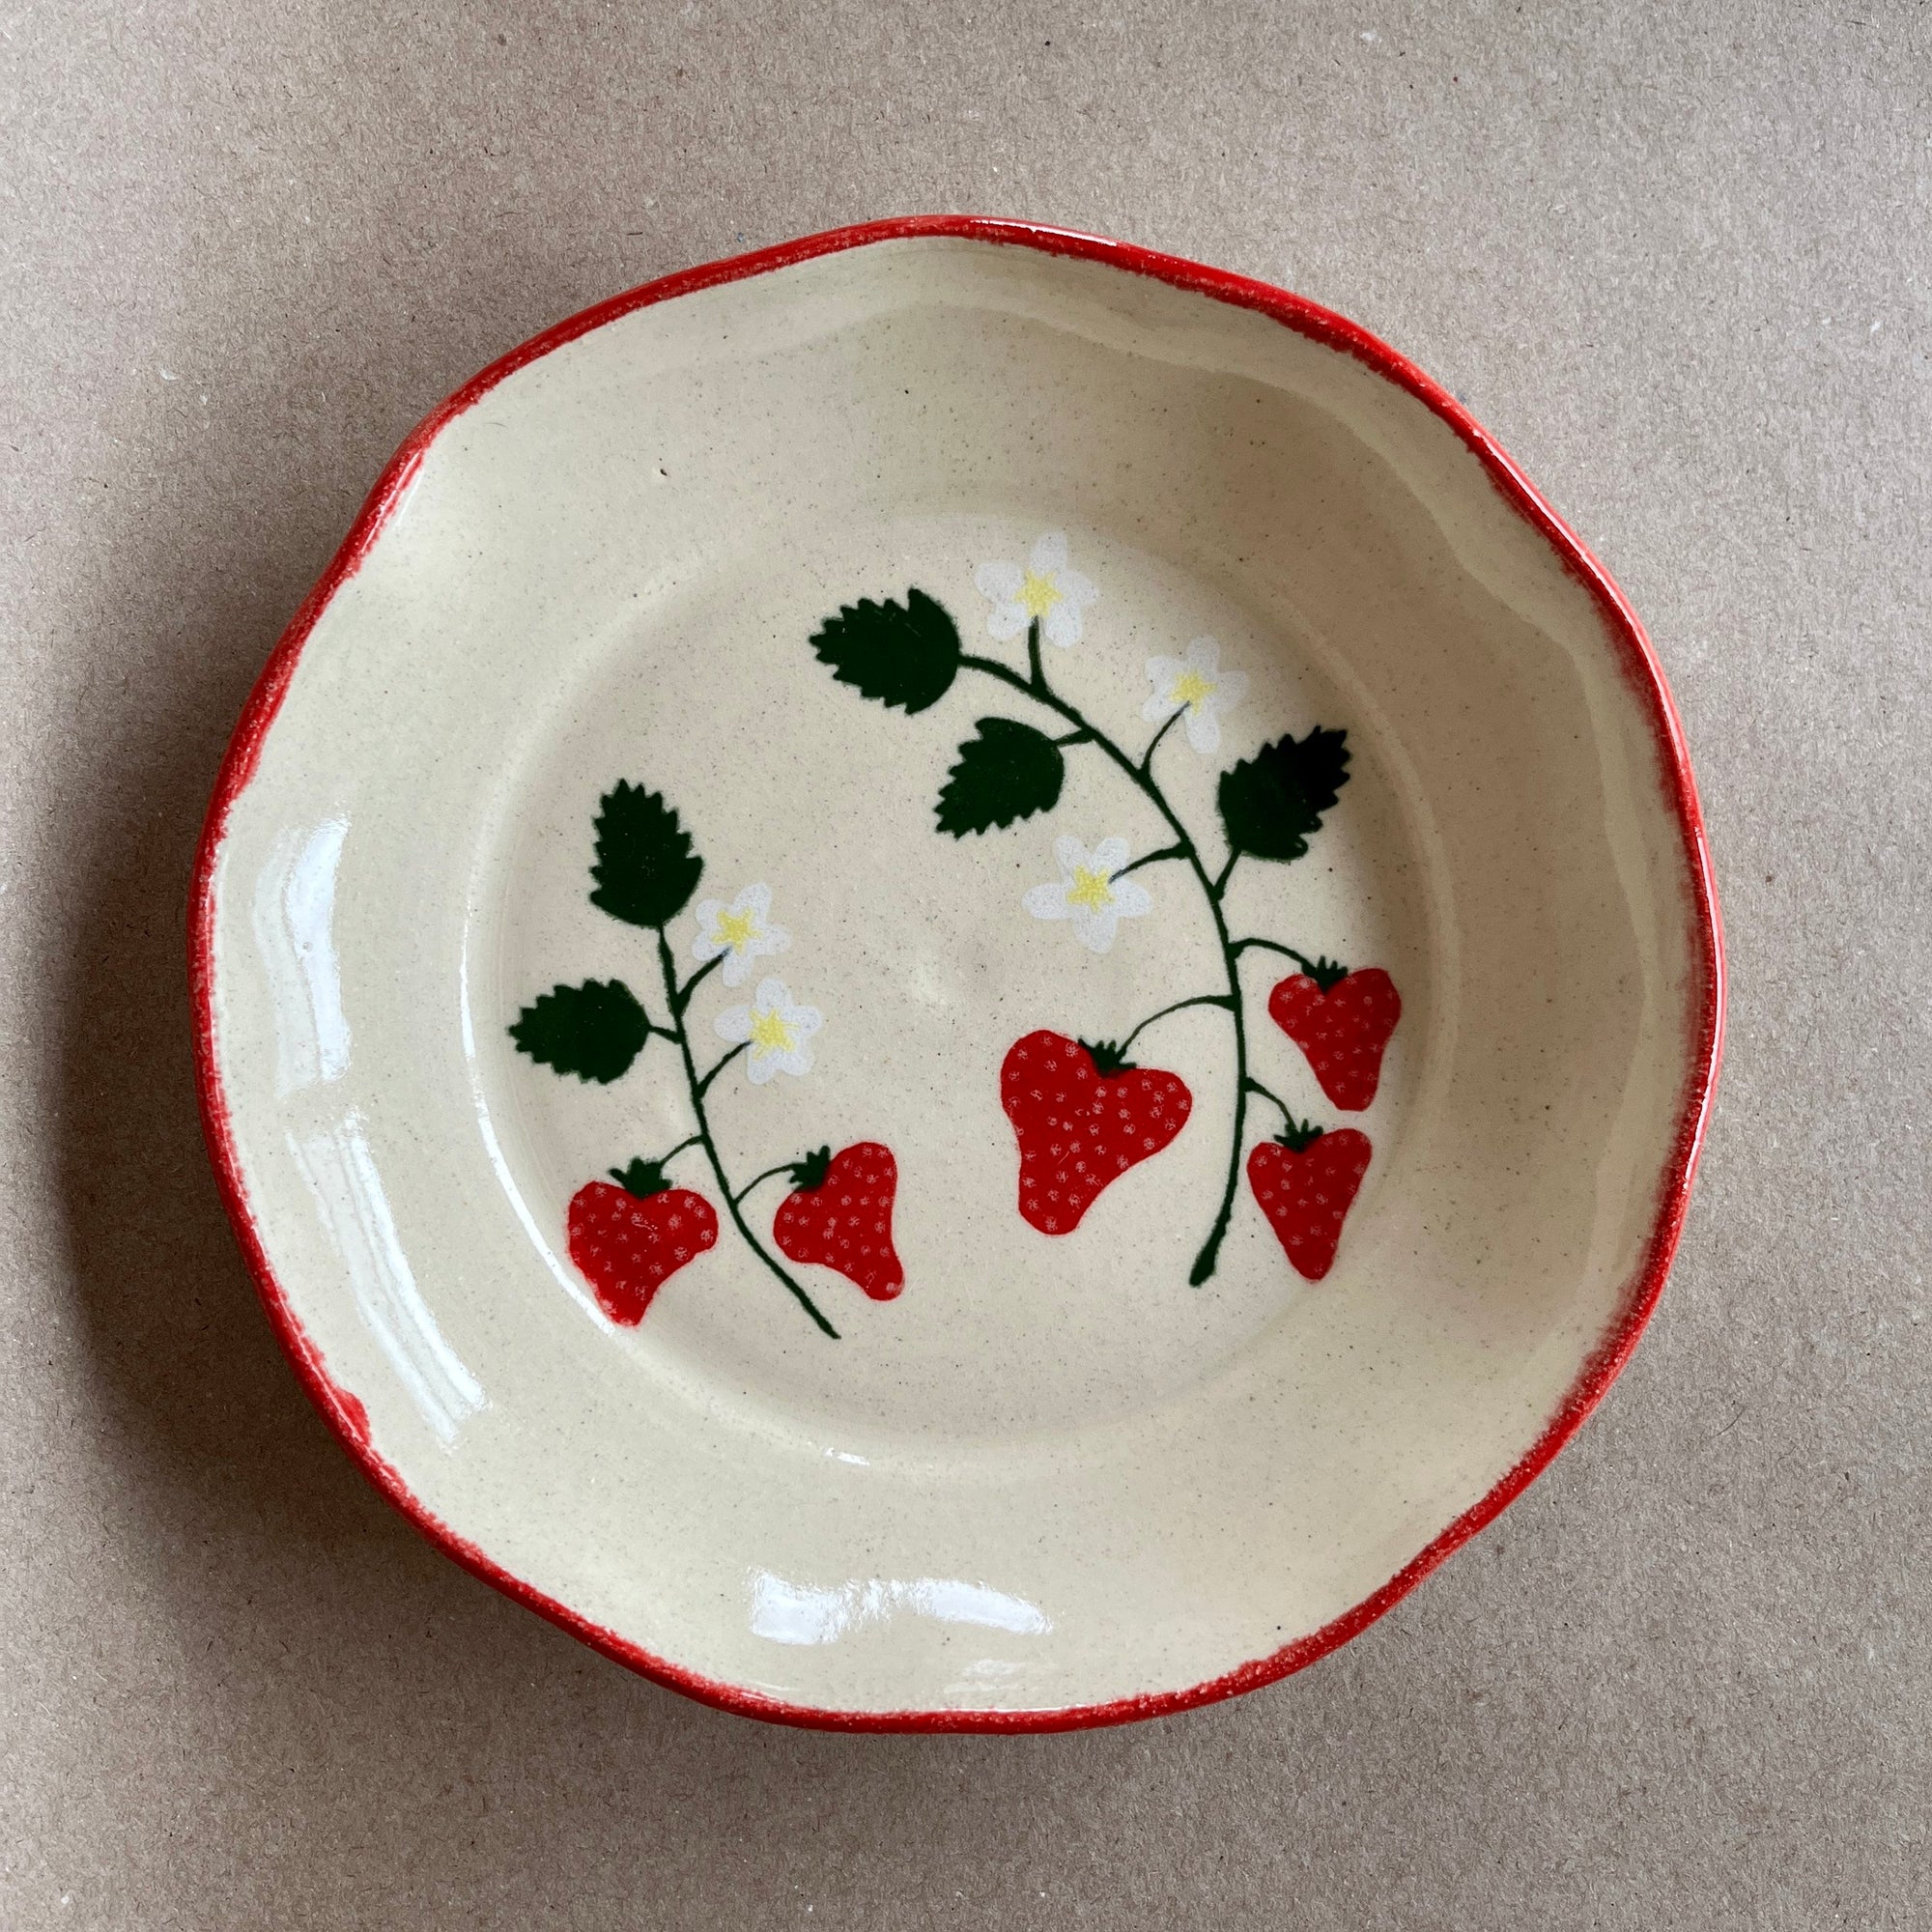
929	958
960	978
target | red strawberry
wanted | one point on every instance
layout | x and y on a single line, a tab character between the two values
1306	1183
1082	1116
629	1239
1342	1025
840	1215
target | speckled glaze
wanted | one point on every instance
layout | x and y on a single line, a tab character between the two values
964	1458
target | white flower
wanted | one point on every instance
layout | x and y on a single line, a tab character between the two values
778	1032
1091	892
1197	685
741	932
1045	590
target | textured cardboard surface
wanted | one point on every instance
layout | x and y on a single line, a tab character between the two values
1678	261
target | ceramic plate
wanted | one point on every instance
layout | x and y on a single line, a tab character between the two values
957	979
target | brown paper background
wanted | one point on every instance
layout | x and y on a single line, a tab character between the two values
1678	259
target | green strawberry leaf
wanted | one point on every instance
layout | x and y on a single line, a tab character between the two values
1109	1057
1271	805
645	869
1009	771
594	1030
641	1177
807	1171
904	654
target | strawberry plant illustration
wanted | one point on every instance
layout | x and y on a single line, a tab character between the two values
1081	1112
629	1234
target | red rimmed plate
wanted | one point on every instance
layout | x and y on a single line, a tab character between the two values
957	979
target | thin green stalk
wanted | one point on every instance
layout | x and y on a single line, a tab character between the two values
680	996
1153	859
719	1066
1153	744
1256	1087
696	1089
1199	1000
784	1167
1301	959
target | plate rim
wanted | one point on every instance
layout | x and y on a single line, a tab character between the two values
346	1414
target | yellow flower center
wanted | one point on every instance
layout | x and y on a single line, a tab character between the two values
1040	594
738	928
1191	689
1090	889
769	1033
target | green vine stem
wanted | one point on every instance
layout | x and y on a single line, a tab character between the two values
718	1066
679	999
1199	1000
1140	774
681	996
1153	858
1323	972
759	1179
1269	1094
1174	717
